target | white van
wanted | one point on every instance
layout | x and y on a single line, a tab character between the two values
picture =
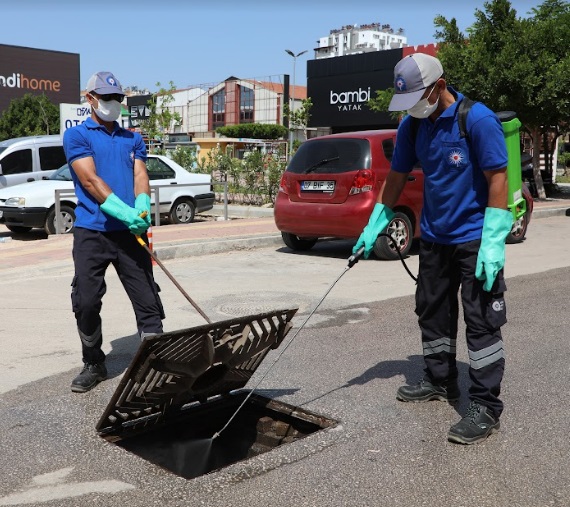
30	158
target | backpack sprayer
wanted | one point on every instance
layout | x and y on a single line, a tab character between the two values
515	199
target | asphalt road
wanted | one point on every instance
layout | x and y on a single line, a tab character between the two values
361	344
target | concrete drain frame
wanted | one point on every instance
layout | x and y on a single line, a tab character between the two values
182	387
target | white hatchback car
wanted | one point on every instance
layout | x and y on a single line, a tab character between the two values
181	194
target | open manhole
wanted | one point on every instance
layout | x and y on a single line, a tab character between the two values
183	387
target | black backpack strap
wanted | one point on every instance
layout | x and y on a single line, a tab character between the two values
462	111
414	128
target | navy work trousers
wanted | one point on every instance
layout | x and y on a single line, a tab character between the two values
443	270
93	251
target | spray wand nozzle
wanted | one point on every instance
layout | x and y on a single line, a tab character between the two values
355	257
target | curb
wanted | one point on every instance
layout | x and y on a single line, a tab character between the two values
215	246
235	211
550	212
221	245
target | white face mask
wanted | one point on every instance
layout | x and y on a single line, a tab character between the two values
108	110
423	108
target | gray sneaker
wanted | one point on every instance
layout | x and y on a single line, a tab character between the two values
427	391
90	376
477	425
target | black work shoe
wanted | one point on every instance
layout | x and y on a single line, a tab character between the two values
477	425
89	377
426	391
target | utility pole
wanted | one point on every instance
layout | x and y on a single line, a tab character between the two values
292	105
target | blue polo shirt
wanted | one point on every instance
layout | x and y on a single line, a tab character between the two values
114	154
456	192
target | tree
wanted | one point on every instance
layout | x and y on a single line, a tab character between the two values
161	119
253	131
31	115
381	102
299	118
516	64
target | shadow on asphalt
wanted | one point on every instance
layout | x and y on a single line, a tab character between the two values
337	249
33	235
122	353
411	369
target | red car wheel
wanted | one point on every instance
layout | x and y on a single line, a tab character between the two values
400	229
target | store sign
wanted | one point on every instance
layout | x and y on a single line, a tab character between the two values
71	115
138	109
342	101
350	100
23	70
341	87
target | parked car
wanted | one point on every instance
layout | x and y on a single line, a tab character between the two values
25	159
32	205
331	185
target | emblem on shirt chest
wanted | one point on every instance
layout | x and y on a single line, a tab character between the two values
456	157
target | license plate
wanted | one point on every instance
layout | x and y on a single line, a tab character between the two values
317	186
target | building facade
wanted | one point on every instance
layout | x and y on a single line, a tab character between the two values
358	39
205	107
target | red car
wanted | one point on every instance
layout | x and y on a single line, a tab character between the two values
332	183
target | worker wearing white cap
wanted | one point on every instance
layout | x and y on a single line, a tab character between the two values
108	166
464	226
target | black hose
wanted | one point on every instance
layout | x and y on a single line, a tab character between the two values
399	254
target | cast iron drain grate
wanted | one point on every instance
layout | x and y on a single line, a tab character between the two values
183	386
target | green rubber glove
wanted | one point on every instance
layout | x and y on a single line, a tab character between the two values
491	258
142	204
380	217
113	206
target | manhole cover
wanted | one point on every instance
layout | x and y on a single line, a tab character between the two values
240	305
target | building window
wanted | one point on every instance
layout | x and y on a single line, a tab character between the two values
219	109
246	105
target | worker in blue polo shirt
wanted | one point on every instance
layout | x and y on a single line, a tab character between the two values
464	226
108	166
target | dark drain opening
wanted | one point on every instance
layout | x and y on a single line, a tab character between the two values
184	445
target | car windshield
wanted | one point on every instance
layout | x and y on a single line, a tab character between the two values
62	174
331	156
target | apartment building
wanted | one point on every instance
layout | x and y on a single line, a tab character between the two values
358	39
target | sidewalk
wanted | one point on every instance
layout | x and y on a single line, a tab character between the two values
203	237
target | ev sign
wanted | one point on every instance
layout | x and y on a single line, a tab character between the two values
71	115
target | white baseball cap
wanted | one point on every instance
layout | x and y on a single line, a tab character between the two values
412	75
104	83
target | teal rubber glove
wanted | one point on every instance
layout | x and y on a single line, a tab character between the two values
380	217
142	204
113	206
491	257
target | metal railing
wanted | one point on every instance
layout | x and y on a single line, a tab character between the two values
154	190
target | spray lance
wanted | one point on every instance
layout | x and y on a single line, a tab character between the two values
352	260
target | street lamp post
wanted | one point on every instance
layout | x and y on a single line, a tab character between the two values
292	107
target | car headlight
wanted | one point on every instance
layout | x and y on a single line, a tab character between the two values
15	202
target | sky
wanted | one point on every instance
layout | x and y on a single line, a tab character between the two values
191	42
